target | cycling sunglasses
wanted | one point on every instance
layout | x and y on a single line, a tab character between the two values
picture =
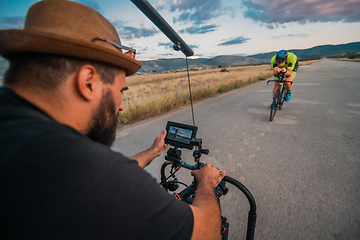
130	51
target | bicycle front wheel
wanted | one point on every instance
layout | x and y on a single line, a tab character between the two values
274	106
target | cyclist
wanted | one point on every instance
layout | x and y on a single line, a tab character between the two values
285	62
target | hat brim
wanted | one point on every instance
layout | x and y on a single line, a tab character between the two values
14	41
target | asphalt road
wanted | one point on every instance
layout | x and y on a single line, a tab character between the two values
303	168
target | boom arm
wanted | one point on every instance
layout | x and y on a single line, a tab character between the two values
159	21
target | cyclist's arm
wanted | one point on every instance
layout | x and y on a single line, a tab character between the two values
288	72
205	208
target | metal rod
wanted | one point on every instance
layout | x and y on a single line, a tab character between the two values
161	23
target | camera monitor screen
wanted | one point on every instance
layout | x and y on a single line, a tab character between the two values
180	135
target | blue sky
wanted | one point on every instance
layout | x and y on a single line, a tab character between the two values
220	27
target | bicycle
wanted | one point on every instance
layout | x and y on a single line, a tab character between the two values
184	136
278	101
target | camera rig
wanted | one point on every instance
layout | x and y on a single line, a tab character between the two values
178	136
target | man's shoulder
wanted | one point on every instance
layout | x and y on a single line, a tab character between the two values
29	133
54	140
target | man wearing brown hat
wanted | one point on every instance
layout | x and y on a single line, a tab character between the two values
58	114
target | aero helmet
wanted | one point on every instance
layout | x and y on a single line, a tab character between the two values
281	56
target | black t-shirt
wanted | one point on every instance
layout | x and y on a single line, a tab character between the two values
58	184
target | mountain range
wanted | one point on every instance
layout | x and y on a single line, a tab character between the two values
162	65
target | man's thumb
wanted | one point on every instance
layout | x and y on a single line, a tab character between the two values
163	132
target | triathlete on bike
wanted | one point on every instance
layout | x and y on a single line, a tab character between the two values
285	62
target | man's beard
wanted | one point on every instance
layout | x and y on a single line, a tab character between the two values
103	124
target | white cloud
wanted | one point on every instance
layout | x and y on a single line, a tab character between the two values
160	4
282	11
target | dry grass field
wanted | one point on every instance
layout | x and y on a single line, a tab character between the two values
153	94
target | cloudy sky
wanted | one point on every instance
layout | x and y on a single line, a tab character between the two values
220	27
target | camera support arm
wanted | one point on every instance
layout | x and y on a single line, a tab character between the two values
197	153
159	21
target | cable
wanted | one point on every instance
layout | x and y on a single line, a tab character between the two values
192	107
172	174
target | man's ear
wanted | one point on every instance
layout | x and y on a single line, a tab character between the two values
87	82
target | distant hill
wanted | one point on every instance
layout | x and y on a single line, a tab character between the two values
162	65
179	63
318	51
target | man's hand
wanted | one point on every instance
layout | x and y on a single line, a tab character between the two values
208	175
146	157
159	144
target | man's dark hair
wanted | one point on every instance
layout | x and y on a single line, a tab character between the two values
48	71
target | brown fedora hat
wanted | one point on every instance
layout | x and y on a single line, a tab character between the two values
68	28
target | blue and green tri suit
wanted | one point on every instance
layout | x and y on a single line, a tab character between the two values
291	63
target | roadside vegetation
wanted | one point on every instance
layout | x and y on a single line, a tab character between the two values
153	94
355	57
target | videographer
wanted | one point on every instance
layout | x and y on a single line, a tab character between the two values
58	114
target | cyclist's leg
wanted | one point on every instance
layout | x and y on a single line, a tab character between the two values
288	85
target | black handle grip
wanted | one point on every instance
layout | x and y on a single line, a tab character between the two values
252	213
251	226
